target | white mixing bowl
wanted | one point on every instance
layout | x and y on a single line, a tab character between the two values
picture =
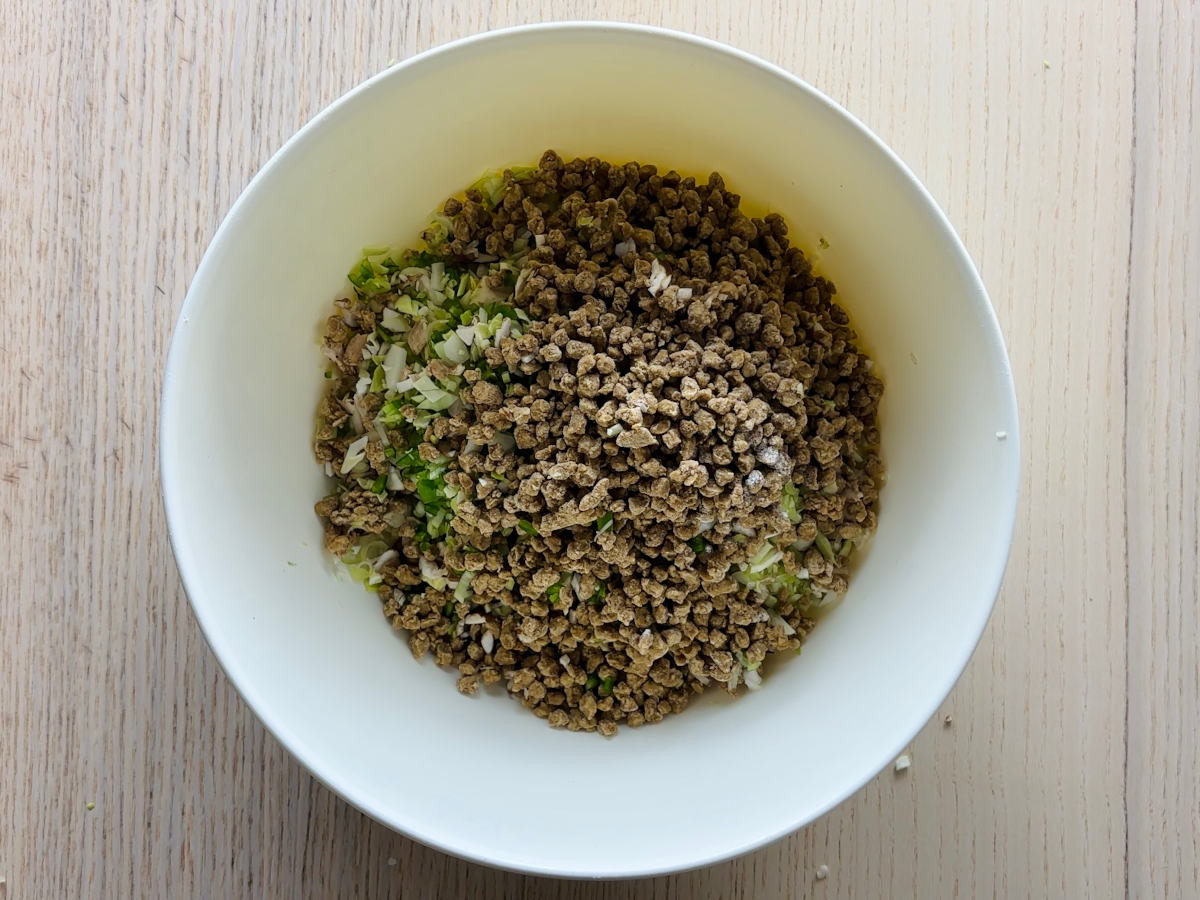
312	654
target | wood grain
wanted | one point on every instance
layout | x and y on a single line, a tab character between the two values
1163	501
1061	139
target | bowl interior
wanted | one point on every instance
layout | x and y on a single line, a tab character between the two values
313	655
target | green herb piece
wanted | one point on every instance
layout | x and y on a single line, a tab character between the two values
591	683
601	592
846	549
368	278
790	502
428	490
604	523
824	546
552	592
698	545
606	686
491	188
526	526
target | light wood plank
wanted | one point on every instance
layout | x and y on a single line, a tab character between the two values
1163	719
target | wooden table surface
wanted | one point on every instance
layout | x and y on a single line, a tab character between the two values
1063	140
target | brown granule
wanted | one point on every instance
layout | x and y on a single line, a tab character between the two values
685	400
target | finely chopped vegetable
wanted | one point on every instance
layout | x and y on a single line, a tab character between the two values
603	440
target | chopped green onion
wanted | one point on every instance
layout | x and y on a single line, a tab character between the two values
823	546
698	545
491	187
526	526
604	523
606	686
592	682
380	484
552	592
368	277
790	502
428	490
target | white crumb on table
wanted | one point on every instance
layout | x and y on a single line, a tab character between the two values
903	761
391	861
822	872
1001	435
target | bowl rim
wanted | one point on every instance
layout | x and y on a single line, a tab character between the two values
190	572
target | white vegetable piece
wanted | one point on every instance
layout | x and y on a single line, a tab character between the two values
659	279
355	454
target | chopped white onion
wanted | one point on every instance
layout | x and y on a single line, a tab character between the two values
394	365
430	569
384	558
659	279
354	454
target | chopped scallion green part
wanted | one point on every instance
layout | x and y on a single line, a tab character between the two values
427	490
526	526
698	544
552	592
380	484
823	545
604	523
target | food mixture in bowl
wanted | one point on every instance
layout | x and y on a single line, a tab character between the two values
604	440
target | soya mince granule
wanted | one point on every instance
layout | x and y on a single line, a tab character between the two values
605	440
